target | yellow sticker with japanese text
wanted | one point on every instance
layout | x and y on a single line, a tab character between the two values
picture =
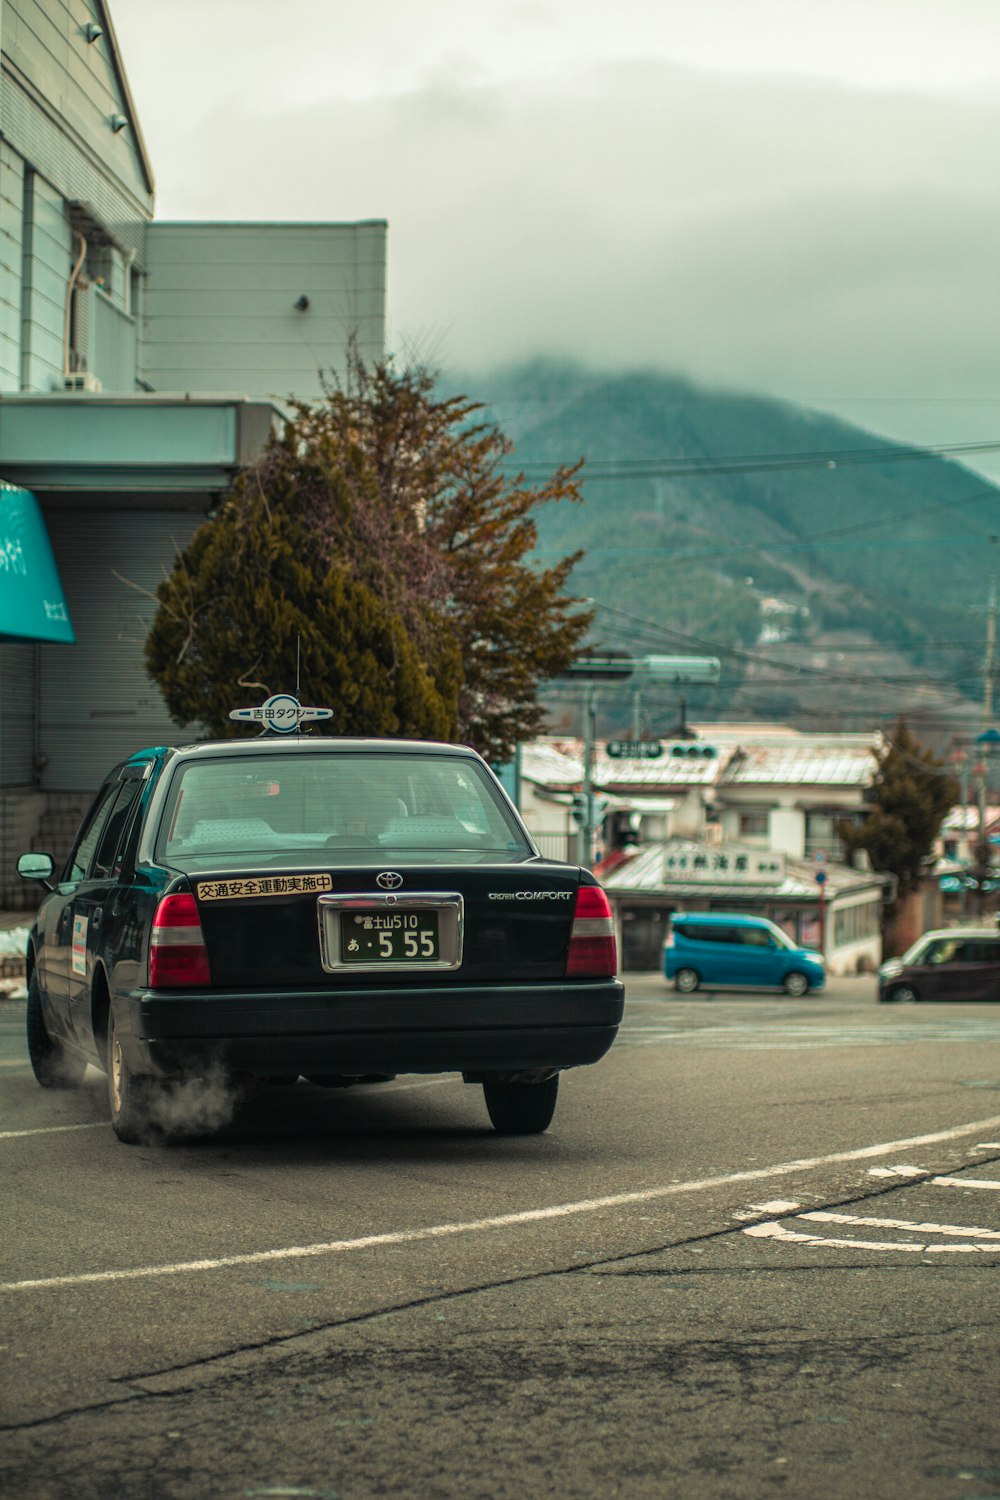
263	885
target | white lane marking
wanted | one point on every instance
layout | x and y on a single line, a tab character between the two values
969	1182
426	1083
822	1216
775	1231
901	1171
791	1037
775	1206
15	1135
987	1146
506	1221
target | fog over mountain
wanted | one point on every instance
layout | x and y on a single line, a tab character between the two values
792	200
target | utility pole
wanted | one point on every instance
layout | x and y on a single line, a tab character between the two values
987	734
989	660
589	735
590	670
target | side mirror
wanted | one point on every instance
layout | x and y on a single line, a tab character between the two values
36	866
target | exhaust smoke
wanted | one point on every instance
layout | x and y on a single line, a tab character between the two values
190	1107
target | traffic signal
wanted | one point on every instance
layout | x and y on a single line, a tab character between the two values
578	809
611	666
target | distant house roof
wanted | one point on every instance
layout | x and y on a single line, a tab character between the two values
846	760
967	818
547	763
746	755
648	873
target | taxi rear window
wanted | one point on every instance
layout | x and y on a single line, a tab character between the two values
396	804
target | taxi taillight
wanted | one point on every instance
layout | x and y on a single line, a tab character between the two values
178	957
593	953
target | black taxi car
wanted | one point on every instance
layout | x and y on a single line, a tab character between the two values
338	910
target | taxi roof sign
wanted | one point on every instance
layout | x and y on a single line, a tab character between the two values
280	714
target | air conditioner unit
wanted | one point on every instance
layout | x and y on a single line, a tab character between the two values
82	380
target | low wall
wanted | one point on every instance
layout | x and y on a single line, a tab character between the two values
33	819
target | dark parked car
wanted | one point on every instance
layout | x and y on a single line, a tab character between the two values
956	963
339	910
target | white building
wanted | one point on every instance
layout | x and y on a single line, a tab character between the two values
742	817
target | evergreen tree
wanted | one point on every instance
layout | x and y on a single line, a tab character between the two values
910	795
380	534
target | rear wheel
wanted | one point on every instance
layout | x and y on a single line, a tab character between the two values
521	1108
687	981
132	1098
52	1064
795	983
903	994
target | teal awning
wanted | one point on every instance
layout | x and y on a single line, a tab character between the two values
32	606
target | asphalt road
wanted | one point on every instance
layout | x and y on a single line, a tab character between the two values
757	1254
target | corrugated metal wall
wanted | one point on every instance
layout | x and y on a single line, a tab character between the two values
219	306
17	713
111	346
51	157
43	328
11	261
43	39
97	703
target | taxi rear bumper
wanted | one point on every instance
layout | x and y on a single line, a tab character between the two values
470	1029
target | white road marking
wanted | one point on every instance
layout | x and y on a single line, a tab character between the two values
425	1083
505	1221
776	1206
902	1171
967	1182
778	1036
14	1135
774	1231
821	1216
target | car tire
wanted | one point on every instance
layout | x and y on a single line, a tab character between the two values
795	984
131	1097
687	981
521	1108
53	1065
902	994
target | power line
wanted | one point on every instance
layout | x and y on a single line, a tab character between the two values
755	658
986	492
832	458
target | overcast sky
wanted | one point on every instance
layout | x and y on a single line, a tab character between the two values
795	197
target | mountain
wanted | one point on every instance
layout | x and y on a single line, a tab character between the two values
838	575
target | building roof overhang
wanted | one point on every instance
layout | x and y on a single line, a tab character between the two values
131	451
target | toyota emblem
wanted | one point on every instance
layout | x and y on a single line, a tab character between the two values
389	880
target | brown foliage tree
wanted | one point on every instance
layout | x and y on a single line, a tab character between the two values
406	498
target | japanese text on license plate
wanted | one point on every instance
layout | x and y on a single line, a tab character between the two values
389	937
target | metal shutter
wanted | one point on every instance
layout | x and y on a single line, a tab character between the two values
17	711
97	703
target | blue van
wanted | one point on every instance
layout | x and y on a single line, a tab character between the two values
716	948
